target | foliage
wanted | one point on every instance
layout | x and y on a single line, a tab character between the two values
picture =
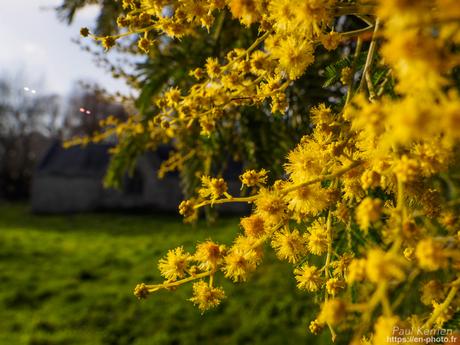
26	118
367	208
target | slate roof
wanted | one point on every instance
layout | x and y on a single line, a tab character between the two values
90	161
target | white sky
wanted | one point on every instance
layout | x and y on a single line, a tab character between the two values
33	39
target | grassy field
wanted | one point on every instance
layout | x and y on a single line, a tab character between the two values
69	280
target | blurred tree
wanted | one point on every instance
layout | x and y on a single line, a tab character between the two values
85	108
28	119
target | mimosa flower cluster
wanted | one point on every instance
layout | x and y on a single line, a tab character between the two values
368	210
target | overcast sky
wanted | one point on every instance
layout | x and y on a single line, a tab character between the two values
33	39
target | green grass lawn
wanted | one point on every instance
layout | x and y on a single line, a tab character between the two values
69	280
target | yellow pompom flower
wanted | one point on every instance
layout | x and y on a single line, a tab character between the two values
430	255
383	329
209	254
368	211
331	40
317	238
308	278
239	263
247	11
356	271
406	169
432	291
253	178
213	67
271	206
254	226
250	245
315	327
321	115
173	96
370	179
306	161
260	62
174	265
290	246
212	188
334	285
384	266
205	296
332	312
294	55
308	200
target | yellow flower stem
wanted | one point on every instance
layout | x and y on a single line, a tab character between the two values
450	297
384	82
370	87
328	260
218	30
211	280
354	33
366	317
359	44
250	199
386	304
156	287
127	33
370	54
333	334
139	10
253	46
406	289
236	98
329	244
223	201
356	9
323	177
402	211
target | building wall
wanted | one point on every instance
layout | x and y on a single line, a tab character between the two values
55	194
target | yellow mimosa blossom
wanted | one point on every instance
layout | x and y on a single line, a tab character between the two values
254	226
205	296
334	285
432	291
317	238
430	255
289	245
239	263
356	270
308	278
332	312
209	254
368	212
212	188
383	329
175	263
253	178
384	266
271	206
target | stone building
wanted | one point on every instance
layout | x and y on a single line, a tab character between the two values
70	180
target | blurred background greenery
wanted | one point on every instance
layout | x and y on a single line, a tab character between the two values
70	281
